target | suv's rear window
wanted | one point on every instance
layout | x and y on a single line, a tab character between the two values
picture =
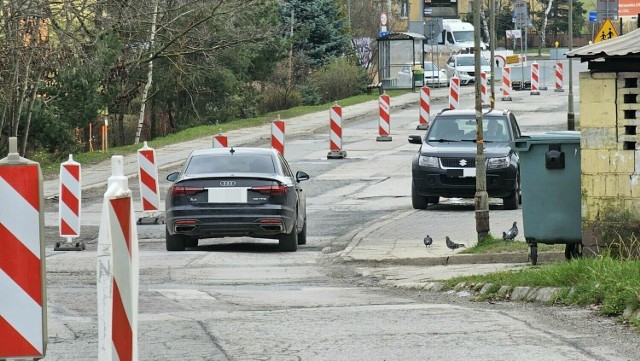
227	163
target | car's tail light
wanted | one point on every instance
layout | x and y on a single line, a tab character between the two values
271	190
184	191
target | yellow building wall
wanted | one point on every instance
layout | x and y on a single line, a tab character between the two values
610	163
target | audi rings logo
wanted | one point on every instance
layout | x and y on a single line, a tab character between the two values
227	183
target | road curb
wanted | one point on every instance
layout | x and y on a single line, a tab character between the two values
457	259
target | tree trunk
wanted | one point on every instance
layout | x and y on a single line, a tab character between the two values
147	86
32	101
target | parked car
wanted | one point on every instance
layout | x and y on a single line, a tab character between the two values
433	75
232	192
445	165
463	67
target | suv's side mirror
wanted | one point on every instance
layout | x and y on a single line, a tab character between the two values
415	139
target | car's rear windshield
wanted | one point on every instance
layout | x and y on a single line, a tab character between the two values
227	163
454	128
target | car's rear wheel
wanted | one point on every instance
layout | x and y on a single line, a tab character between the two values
302	236
288	242
175	242
418	201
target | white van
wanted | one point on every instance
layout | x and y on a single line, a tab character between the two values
458	36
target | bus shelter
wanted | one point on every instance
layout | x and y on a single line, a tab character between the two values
400	60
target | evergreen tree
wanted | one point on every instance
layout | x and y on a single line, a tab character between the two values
320	29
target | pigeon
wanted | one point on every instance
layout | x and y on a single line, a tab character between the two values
453	245
428	241
511	233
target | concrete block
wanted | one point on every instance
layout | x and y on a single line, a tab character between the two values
634	183
598	114
594	161
599	186
520	293
486	288
622	161
611	185
597	87
598	138
504	291
547	294
624	185
586	184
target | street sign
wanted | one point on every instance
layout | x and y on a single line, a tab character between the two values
607	31
607	9
593	16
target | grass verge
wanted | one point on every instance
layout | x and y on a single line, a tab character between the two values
611	285
497	245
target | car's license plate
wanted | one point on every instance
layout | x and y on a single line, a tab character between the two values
461	172
227	195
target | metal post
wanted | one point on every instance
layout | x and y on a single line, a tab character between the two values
492	47
571	118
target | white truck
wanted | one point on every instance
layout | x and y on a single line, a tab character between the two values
457	36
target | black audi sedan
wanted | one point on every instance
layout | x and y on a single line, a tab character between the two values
445	164
235	192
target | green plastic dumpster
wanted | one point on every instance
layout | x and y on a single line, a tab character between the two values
550	190
418	76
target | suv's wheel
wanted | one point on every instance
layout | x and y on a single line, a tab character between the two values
174	242
513	200
418	201
288	242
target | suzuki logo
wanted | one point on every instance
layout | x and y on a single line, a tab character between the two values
227	183
463	162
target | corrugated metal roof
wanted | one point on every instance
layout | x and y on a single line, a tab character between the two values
627	44
402	36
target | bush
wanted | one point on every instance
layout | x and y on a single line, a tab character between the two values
276	98
339	79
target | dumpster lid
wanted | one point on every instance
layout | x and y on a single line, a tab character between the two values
555	137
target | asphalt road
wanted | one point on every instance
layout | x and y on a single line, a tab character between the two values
241	299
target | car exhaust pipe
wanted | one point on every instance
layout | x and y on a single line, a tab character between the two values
185	228
272	227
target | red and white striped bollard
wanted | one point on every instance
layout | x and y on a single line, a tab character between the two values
559	77
454	92
535	79
69	205
335	133
220	141
425	108
506	83
484	96
118	271
384	120
23	304
148	181
277	135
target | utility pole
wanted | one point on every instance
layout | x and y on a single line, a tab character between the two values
571	117
481	201
492	48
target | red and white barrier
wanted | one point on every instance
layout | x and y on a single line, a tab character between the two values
454	93
425	107
384	121
277	135
23	303
220	141
148	177
506	83
535	79
118	271
484	96
559	77
335	136
69	205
